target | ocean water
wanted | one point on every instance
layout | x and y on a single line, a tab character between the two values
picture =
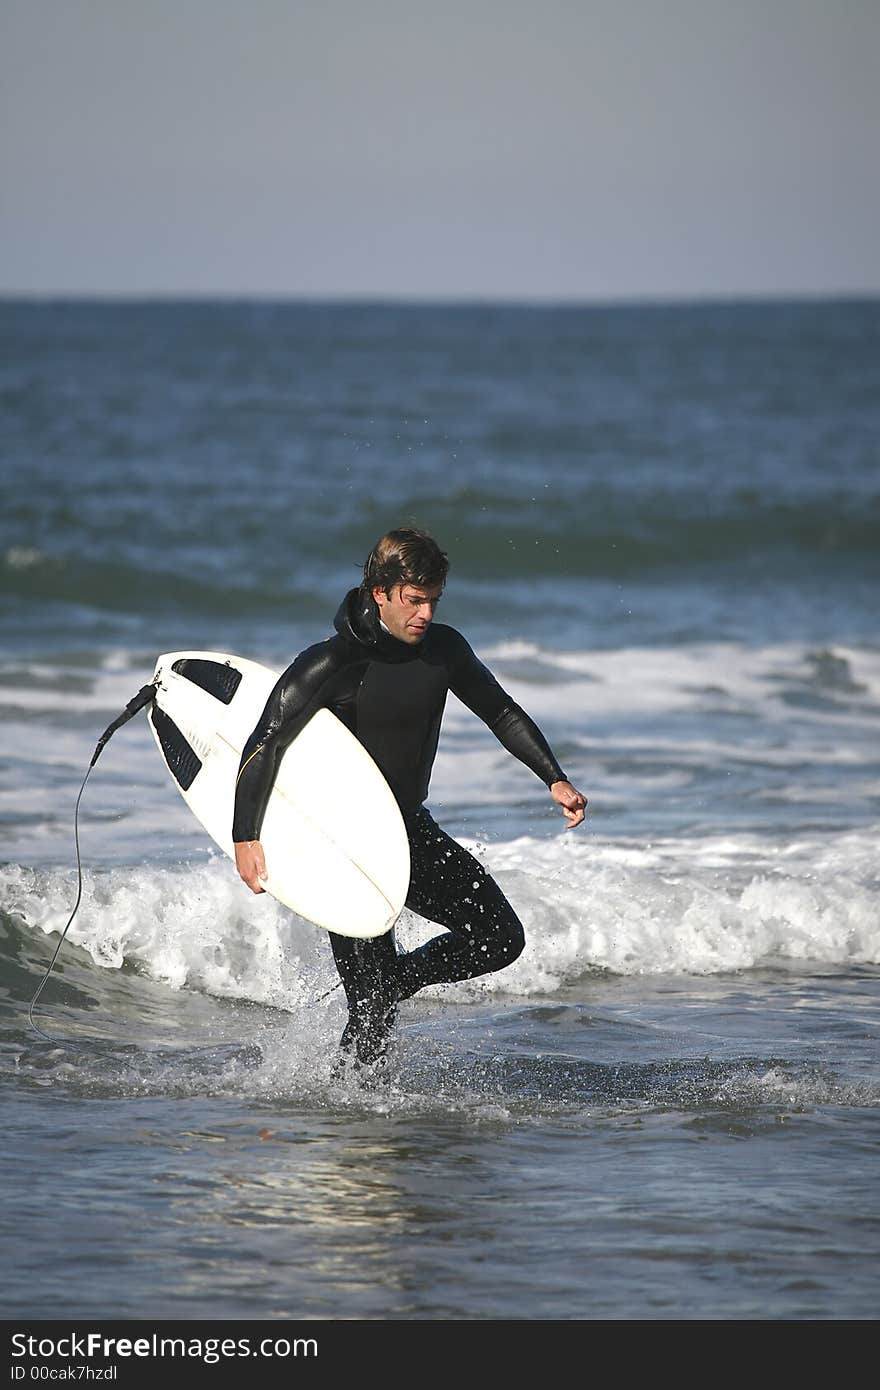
664	533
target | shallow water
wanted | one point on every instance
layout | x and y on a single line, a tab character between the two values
627	1148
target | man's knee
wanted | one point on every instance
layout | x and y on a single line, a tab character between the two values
517	940
509	941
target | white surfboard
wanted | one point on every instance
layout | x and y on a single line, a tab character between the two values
336	847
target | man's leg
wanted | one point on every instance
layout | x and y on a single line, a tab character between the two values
448	885
368	970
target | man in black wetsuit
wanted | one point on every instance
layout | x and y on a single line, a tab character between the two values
386	675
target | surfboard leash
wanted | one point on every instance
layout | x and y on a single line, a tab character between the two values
144	697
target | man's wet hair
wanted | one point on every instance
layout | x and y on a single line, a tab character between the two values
405	556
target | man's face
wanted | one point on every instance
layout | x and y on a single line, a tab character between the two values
407	611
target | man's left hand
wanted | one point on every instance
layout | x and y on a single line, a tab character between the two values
573	802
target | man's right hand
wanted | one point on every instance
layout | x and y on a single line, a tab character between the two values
251	863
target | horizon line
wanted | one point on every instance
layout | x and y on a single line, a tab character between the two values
461	300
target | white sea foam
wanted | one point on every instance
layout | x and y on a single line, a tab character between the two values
618	681
23	557
696	906
195	926
701	702
644	677
699	906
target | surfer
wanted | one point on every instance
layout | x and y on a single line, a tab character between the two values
386	674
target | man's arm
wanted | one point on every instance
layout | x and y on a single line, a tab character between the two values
298	694
477	688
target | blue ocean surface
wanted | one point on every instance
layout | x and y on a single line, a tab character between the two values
663	525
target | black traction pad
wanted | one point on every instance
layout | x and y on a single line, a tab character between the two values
214	677
184	764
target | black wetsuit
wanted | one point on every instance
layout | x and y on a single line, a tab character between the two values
391	695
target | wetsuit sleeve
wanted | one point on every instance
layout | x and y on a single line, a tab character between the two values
301	691
477	688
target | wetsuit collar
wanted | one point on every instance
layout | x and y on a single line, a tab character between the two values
358	621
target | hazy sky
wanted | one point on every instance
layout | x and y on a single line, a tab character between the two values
494	148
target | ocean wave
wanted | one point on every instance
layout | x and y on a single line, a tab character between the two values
696	907
493	536
711	678
503	532
139	586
